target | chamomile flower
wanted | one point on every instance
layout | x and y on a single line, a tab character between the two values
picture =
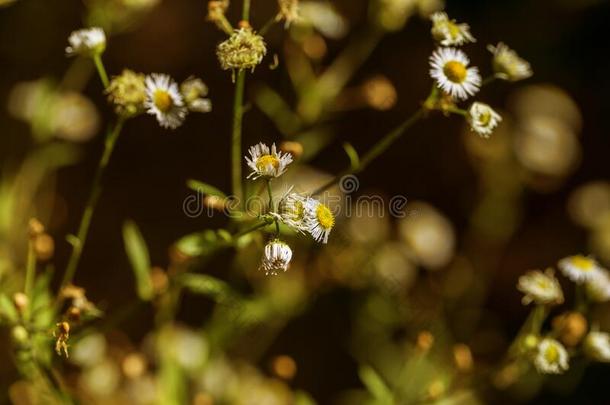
276	257
579	268
448	32
449	66
508	65
551	357
319	220
164	101
483	119
86	42
597	346
267	163
598	287
292	211
541	288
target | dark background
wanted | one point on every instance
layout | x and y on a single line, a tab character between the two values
565	41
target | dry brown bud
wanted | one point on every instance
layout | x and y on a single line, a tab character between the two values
35	227
44	247
570	327
21	301
425	340
284	367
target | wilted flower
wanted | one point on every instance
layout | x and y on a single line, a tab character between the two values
243	50
87	42
292	211
127	92
483	119
163	100
597	346
61	335
448	32
551	357
579	268
452	74
289	11
598	287
194	91
276	258
542	288
319	220
267	163
508	65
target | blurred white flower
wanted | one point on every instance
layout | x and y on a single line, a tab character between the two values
86	42
164	101
598	287
508	65
449	66
579	268
551	357
541	288
597	346
448	32
483	119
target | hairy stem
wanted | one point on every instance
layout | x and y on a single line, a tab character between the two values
96	190
236	154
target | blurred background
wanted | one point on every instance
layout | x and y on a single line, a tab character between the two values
538	190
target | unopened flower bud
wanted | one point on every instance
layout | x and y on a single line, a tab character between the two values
194	91
21	301
243	50
44	247
127	92
425	341
570	327
35	227
20	335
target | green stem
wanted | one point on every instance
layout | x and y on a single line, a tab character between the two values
101	70
85	222
267	25
236	155
580	304
251	229
488	80
29	275
246	11
272	208
377	149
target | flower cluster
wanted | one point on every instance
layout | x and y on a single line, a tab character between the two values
457	81
86	42
244	49
300	212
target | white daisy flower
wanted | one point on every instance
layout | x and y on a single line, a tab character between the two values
452	74
551	357
598	287
448	32
267	163
483	119
276	258
164	101
597	346
579	268
319	220
194	91
292	211
541	288
508	65
86	42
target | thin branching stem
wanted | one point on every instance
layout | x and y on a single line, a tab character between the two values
30	273
236	138
101	70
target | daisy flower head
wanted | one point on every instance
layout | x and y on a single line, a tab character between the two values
448	32
597	346
292	211
320	220
449	66
598	287
266	162
86	42
164	101
483	119
551	357
276	257
579	268
508	65
541	288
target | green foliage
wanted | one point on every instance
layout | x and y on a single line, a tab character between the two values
136	249
204	188
375	386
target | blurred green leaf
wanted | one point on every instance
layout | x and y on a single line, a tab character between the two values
204	188
303	398
7	309
208	286
199	244
375	385
136	249
354	159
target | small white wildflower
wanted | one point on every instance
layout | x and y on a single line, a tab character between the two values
194	91
598	287
292	211
449	66
86	42
276	258
289	11
448	32
483	119
319	220
267	163
551	357
597	346
541	288
579	268
508	65
164	101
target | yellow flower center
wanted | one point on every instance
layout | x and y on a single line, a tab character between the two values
455	71
551	354
325	216
267	160
485	119
582	263
299	210
163	101
454	30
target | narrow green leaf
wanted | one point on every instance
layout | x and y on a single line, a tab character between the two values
354	159
204	188
375	385
7	309
136	249
208	286
198	244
